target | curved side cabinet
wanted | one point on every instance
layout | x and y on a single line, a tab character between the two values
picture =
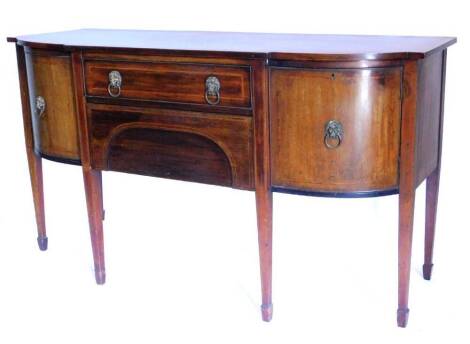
52	104
335	131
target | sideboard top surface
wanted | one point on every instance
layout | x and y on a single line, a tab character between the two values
275	46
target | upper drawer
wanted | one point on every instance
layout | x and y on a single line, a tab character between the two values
170	82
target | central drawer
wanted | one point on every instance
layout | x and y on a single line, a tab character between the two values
193	83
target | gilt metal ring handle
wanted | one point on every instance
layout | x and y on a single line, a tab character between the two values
115	82
212	90
333	134
40	106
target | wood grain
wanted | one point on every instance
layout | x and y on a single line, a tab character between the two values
428	115
233	134
263	193
365	101
92	178
278	92
432	183
170	82
56	132
248	45
408	158
169	154
92	182
34	160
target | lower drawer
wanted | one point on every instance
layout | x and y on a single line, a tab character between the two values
181	145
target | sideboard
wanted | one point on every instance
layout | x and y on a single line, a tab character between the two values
319	115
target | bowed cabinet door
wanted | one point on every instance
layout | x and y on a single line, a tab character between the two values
335	131
52	102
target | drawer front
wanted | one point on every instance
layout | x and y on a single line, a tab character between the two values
335	131
170	82
165	143
52	104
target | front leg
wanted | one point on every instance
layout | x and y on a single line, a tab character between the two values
34	160
407	186
264	196
405	238
92	180
264	210
35	172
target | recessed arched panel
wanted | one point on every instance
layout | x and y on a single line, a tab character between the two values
169	154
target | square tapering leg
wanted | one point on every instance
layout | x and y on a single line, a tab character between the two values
101	192
405	238
34	160
93	191
432	193
407	187
264	208
35	171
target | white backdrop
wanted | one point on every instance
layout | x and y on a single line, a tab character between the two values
182	258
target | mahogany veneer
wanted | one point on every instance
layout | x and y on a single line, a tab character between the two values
365	101
50	76
169	82
338	116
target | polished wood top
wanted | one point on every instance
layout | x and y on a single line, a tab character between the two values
274	46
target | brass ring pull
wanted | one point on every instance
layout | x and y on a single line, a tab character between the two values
114	86
212	90
333	134
40	106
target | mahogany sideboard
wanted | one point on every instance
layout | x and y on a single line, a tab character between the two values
321	115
